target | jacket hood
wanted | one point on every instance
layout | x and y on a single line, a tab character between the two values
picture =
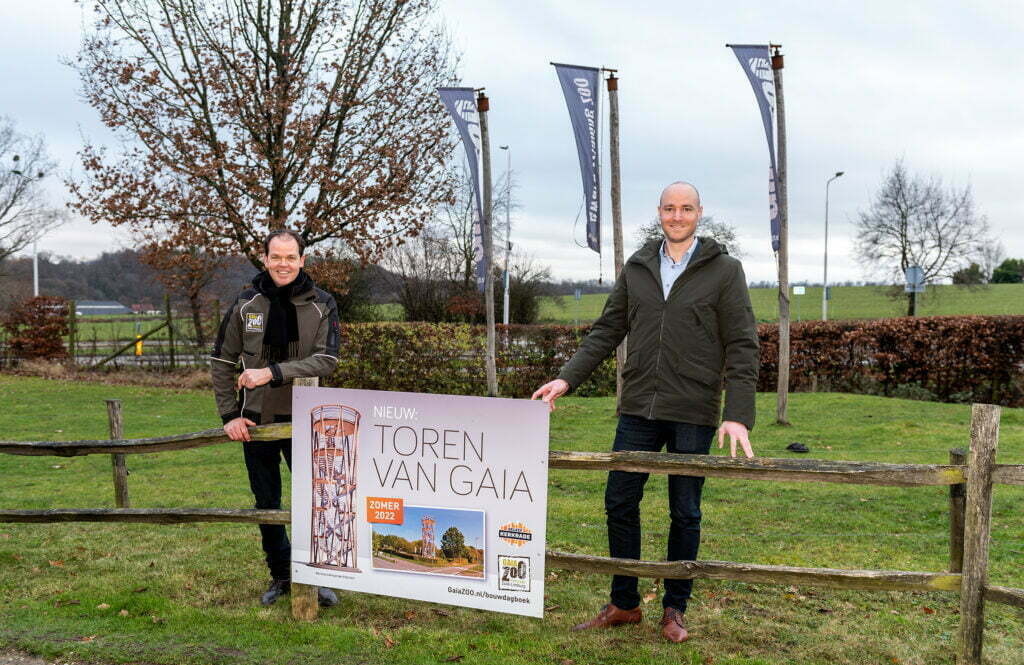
707	250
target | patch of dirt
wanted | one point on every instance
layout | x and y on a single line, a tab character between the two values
18	658
193	378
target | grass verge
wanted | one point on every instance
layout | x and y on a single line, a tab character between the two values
187	593
848	302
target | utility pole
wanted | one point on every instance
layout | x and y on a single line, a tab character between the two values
482	106
508	229
35	243
780	186
824	280
613	153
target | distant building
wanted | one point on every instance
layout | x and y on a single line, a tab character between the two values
100	308
144	308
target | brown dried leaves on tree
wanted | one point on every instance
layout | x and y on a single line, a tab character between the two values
239	116
184	268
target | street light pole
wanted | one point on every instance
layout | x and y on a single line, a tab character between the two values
508	229
824	281
35	243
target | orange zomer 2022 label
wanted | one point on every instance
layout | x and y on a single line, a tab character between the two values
380	510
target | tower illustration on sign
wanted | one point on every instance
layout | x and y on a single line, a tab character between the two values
334	436
427	546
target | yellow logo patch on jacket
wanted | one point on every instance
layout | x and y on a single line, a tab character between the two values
254	322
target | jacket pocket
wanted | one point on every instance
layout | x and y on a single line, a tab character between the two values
699	373
707	322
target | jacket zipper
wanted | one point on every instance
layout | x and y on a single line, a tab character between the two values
657	365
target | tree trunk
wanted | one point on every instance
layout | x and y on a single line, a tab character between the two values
197	318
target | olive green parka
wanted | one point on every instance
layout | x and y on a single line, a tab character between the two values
682	349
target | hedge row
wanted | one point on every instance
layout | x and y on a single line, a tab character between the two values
951	358
448	358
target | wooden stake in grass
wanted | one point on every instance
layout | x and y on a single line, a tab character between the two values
977	525
120	467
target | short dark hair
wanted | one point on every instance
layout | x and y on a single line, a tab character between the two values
284	232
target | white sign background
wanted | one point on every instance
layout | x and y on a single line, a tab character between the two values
511	435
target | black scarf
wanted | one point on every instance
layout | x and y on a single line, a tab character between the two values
281	339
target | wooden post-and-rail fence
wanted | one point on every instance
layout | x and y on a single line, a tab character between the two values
970	478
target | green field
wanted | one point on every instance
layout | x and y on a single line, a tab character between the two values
125	327
848	302
187	593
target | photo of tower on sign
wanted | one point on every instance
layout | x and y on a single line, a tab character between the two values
434	541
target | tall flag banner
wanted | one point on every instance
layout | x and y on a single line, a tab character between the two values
461	104
580	86
757	65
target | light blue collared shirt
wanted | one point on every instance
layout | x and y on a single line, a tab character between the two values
670	270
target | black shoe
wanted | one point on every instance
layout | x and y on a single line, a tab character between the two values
326	597
276	589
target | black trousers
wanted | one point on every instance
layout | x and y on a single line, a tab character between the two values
625	489
263	462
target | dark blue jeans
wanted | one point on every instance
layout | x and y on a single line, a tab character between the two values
263	462
625	489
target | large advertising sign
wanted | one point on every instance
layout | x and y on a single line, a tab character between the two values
757	65
430	497
581	90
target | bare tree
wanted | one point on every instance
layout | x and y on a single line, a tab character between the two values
435	275
915	221
721	232
528	283
238	116
990	255
25	214
454	218
428	271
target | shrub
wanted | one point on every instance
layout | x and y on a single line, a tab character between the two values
35	328
950	356
448	358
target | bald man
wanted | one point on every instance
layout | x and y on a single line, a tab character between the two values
683	301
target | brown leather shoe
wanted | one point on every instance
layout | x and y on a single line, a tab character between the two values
672	628
610	615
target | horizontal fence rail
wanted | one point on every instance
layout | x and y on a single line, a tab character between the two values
758	468
865	580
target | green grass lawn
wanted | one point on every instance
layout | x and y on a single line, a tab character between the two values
187	593
848	302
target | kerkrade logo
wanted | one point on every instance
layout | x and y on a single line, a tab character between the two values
515	534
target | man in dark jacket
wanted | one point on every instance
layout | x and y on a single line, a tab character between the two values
281	328
683	301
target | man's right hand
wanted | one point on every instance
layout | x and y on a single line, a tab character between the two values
551	391
238	429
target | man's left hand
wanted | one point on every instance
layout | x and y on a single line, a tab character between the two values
253	378
737	432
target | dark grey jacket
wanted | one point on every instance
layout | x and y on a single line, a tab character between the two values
683	348
239	347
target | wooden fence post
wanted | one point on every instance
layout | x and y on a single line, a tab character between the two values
304	596
120	467
957	495
977	525
72	329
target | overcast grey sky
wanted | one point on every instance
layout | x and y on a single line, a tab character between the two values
935	83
